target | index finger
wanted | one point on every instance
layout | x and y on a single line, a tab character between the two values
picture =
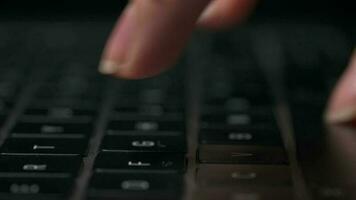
149	36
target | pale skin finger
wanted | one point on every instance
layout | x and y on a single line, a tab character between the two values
151	34
342	106
226	13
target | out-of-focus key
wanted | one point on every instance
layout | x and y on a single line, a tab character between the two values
136	186
39	164
244	136
242	154
52	128
147	125
137	141
210	175
31	146
245	193
140	161
29	185
59	113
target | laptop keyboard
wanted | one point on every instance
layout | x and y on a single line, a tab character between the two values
70	133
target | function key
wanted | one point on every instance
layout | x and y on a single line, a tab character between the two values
35	146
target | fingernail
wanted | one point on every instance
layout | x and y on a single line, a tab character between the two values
108	67
342	116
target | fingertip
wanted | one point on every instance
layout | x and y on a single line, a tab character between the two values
342	104
223	14
149	37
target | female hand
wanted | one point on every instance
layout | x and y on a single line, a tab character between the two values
151	34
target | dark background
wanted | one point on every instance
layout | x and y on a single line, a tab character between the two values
324	10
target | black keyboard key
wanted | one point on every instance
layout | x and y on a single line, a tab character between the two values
230	154
137	141
60	113
40	164
140	161
75	103
239	119
154	110
29	185
136	186
52	128
44	146
236	106
238	122
249	136
147	116
246	193
147	125
231	175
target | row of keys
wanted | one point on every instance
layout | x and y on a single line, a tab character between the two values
43	153
142	154
241	152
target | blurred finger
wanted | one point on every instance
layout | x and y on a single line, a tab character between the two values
342	107
149	36
225	13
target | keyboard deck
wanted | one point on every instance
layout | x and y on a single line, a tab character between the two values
208	129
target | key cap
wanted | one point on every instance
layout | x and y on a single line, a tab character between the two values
249	136
147	125
149	109
25	185
140	161
213	175
242	154
239	119
59	113
52	128
235	126
232	106
35	146
137	141
40	164
136	186
147	117
246	193
75	103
